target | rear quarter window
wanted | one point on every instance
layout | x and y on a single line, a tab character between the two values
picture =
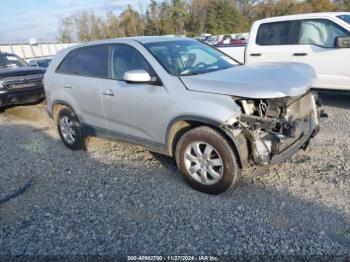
276	33
65	66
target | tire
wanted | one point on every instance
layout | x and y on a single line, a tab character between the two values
70	129
200	138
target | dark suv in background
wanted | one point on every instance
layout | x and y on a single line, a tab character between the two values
19	82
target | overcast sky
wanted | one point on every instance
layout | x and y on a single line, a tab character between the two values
24	19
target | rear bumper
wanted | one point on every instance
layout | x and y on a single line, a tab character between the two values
21	96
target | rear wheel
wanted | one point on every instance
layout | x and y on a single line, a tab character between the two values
70	129
207	161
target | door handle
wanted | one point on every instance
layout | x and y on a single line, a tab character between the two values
68	86
108	92
255	54
300	54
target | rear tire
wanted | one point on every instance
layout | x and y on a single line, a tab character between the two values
70	129
207	161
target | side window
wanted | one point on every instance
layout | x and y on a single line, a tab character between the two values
320	32
90	61
65	66
123	58
277	33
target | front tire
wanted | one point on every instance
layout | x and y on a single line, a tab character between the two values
207	161
70	129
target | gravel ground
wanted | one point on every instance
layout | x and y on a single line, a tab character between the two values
117	199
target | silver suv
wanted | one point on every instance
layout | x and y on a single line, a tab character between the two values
182	98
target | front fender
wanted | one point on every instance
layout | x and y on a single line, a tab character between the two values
239	142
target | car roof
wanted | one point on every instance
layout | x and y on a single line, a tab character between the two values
140	39
125	40
153	39
304	16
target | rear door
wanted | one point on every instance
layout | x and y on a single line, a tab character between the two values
81	83
316	47
272	42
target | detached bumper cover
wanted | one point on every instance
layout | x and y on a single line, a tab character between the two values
288	153
310	129
21	96
273	140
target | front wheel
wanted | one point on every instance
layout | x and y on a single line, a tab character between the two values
207	161
70	129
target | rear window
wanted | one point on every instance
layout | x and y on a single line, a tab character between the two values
87	61
277	33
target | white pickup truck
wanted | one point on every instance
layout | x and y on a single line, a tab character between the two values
321	40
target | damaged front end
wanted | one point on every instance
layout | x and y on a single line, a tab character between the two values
275	129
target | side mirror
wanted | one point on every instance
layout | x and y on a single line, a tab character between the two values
138	77
342	42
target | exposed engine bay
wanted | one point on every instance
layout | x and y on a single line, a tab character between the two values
273	126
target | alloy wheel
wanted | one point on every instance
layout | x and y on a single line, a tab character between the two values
203	163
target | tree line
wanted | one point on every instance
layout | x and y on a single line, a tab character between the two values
186	17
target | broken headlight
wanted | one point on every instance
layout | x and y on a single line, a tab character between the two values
256	107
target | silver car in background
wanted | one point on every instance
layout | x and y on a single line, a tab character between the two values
182	98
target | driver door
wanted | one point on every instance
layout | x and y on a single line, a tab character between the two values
132	110
316	47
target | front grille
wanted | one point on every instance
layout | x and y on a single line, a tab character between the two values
19	82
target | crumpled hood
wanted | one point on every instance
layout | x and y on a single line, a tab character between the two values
263	80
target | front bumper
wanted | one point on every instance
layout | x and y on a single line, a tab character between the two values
21	96
271	141
274	151
308	129
288	153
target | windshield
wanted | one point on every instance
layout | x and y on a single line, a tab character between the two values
189	57
345	18
7	60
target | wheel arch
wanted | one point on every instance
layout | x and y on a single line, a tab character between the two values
57	105
182	124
